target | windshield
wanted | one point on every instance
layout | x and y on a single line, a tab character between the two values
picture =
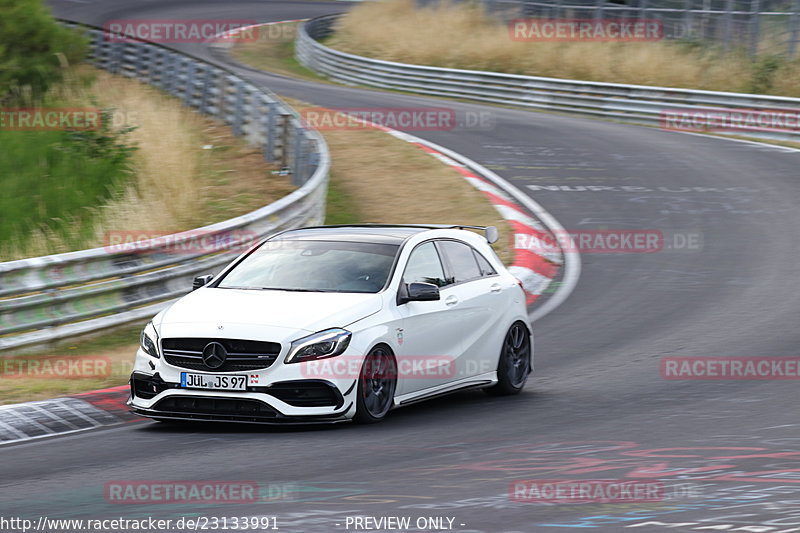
314	266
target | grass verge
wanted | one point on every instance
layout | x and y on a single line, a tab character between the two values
188	171
38	375
273	52
463	36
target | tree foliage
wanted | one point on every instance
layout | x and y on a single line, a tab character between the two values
33	49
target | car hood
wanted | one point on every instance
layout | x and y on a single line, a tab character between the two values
310	311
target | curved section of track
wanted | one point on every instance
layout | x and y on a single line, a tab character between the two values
597	408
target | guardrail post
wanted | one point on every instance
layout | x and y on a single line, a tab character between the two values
270	132
141	60
755	27
188	88
643	9
205	90
167	72
113	60
238	108
154	70
598	13
728	32
688	20
95	45
313	159
297	170
794	23
706	17
285	118
177	87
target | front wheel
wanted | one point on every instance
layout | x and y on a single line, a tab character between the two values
514	364
376	386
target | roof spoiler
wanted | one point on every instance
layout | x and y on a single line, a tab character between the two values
490	232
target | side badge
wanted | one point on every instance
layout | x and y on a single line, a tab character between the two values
399	335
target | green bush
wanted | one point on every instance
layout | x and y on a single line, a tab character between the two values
54	181
765	69
33	46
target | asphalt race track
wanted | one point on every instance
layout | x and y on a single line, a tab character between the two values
597	408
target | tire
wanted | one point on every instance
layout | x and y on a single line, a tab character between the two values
514	364
377	384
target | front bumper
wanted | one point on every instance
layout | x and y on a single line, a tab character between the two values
280	394
227	409
154	398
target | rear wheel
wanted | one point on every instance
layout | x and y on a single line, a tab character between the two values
514	364
376	386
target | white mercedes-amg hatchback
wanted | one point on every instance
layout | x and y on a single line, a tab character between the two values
336	323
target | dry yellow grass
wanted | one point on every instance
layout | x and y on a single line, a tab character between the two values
28	378
273	52
462	36
179	184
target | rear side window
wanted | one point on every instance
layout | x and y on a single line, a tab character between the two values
486	268
463	265
424	266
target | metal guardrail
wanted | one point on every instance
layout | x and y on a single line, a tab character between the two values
51	297
638	104
759	26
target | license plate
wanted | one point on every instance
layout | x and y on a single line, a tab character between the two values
213	381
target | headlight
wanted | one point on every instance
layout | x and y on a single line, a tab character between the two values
148	340
328	343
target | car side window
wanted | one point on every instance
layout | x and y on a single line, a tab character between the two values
424	266
486	268
463	265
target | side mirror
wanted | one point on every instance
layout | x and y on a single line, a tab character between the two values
417	292
200	281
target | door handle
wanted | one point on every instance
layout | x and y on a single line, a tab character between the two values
496	287
451	300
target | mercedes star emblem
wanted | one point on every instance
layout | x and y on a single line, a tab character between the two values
214	355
